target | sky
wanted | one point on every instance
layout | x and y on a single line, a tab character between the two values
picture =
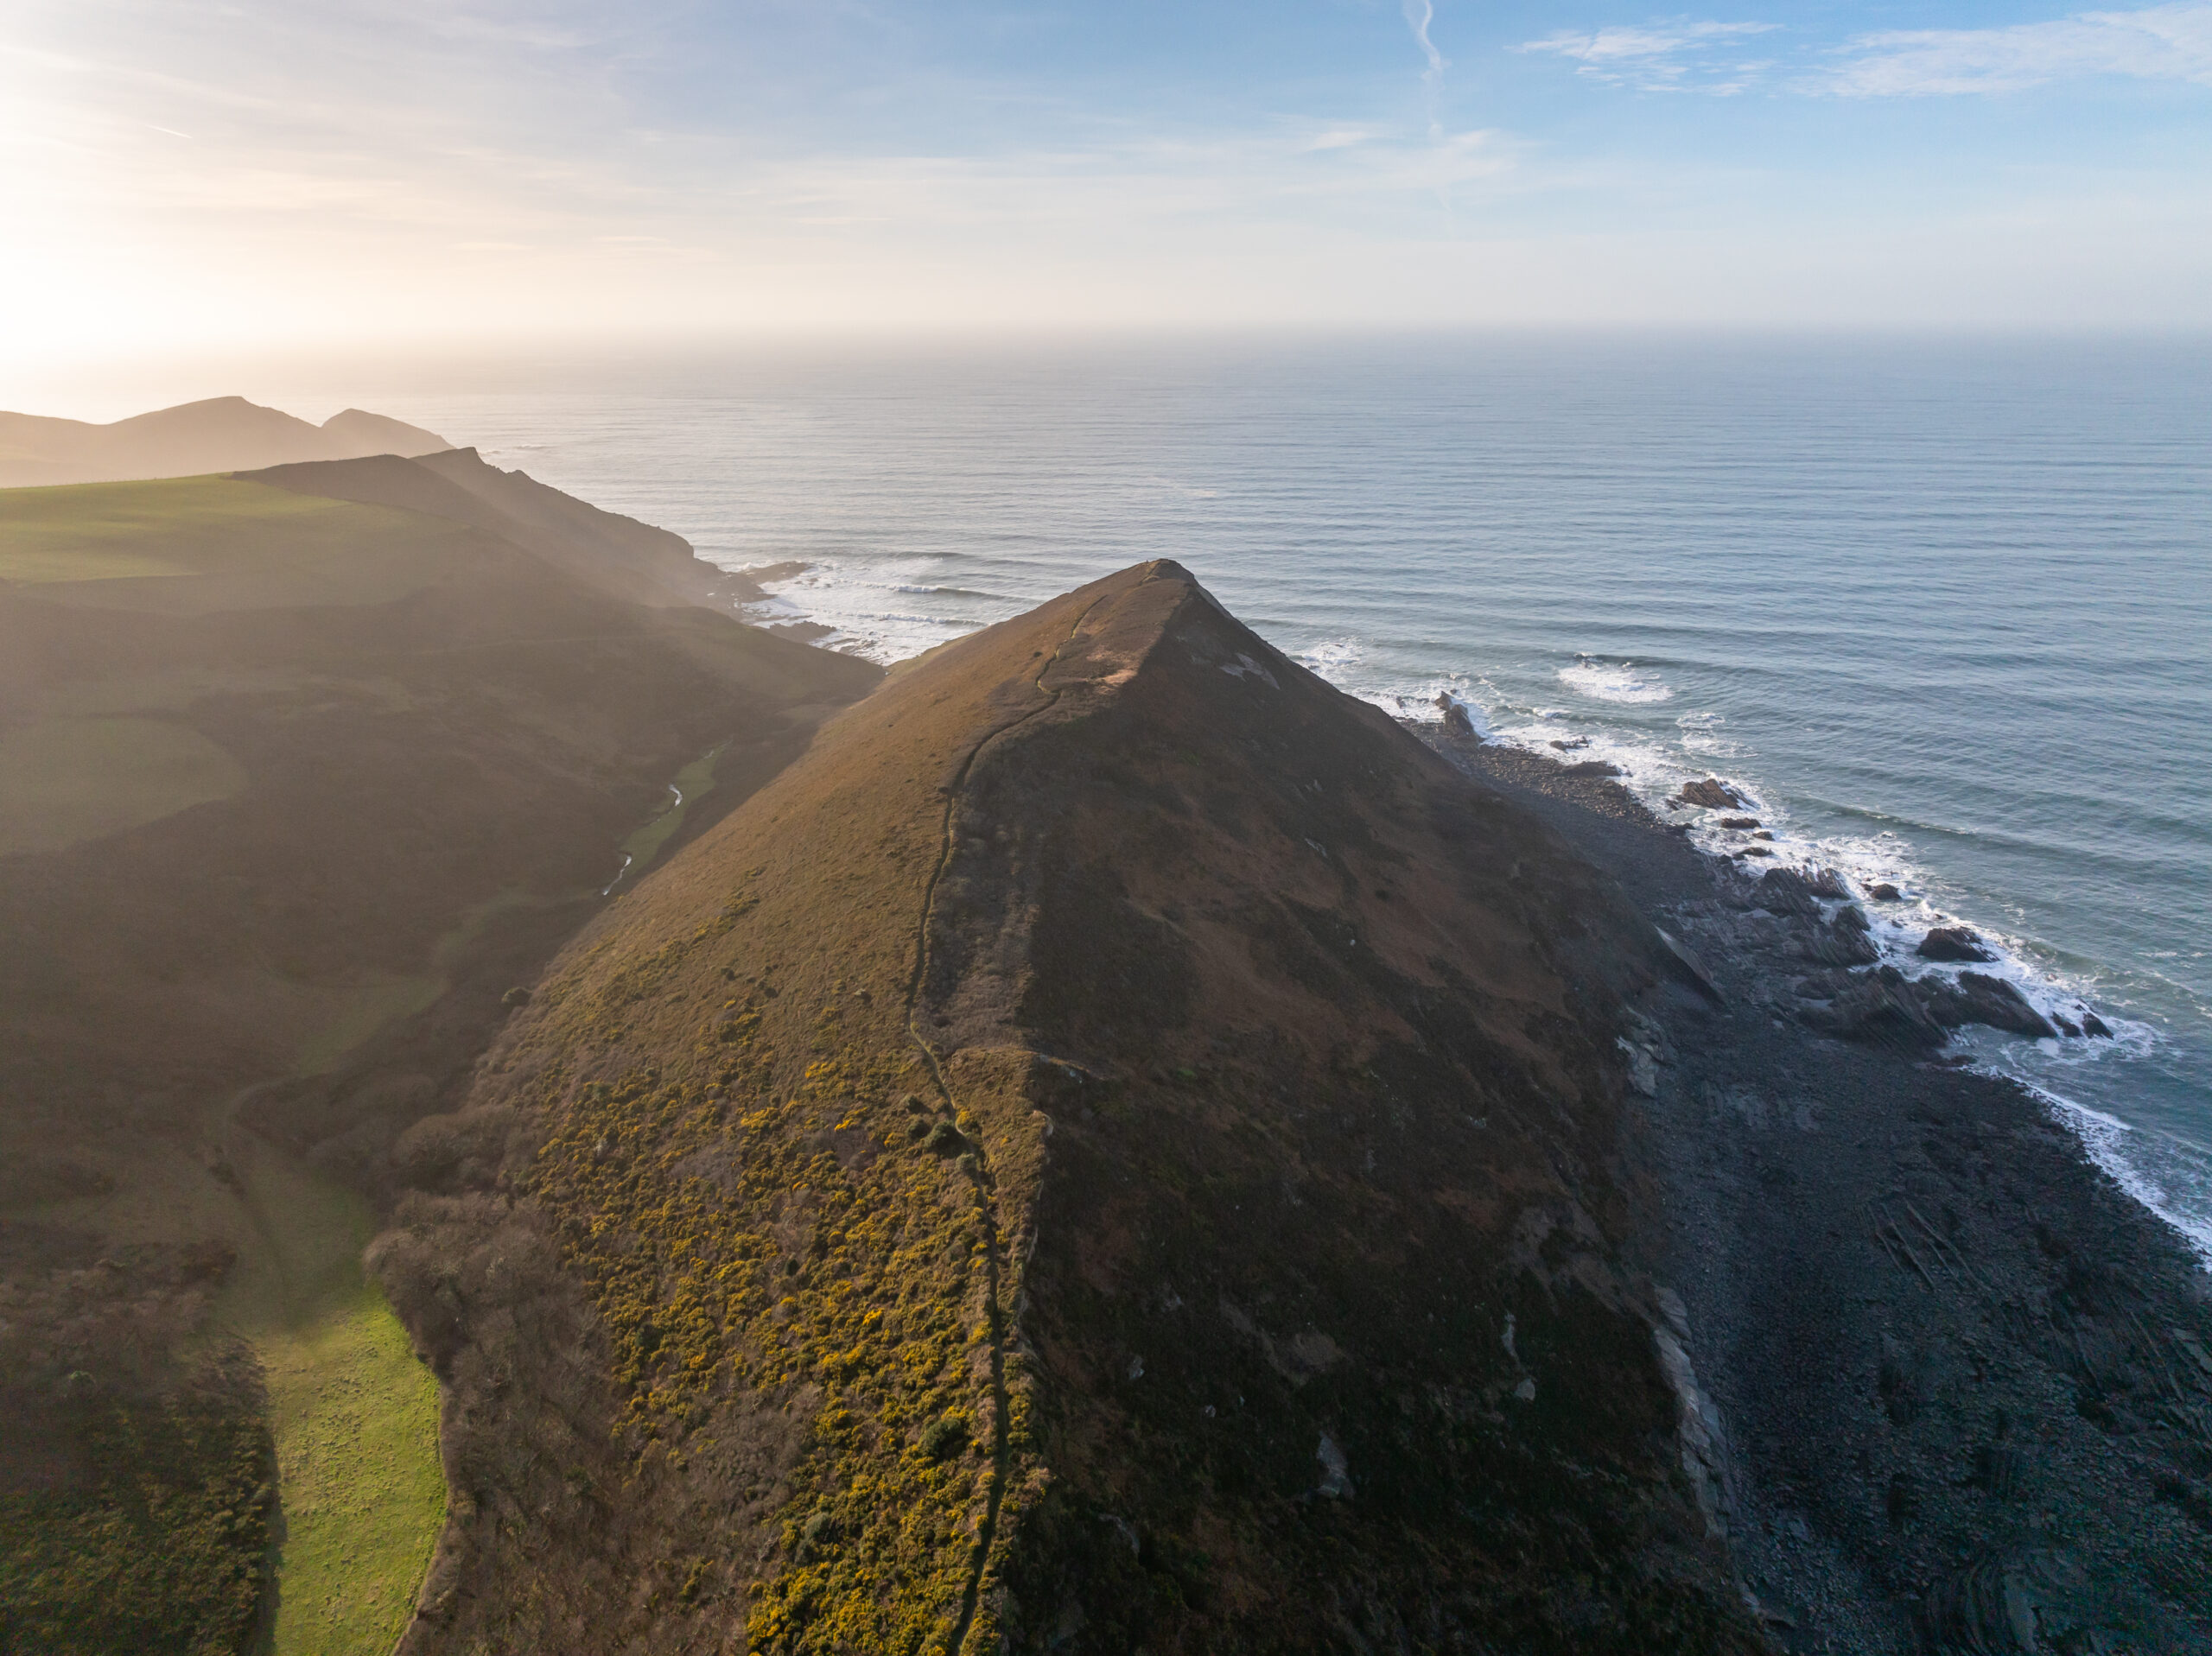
361	173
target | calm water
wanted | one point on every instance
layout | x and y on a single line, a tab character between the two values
1945	609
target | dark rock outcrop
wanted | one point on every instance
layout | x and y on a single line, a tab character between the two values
1977	998
1712	793
1954	944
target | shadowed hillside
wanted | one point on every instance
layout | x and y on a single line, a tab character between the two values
1115	1147
223	433
296	789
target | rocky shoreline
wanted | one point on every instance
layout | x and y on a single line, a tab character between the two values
1947	1386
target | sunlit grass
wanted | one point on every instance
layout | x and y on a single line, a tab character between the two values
194	545
356	1418
360	1490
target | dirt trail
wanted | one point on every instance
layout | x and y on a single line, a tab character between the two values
986	1194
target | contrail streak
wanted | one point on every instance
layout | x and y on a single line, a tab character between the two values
1420	13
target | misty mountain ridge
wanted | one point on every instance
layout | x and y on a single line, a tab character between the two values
219	434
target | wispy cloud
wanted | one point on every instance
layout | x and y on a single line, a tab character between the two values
1683	56
2172	42
1420	13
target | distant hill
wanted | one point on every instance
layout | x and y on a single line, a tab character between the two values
618	555
222	434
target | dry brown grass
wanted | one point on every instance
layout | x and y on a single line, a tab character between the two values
1279	1063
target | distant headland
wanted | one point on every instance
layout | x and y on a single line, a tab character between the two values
220	433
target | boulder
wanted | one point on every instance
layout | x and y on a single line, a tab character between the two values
1456	720
1977	998
1954	944
1739	821
1572	743
1713	794
1595	768
1883	891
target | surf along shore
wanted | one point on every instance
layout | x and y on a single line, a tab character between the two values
1956	1384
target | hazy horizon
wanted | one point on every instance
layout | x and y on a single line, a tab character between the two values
386	174
314	385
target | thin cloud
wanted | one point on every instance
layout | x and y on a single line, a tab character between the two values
1420	13
2172	42
1666	57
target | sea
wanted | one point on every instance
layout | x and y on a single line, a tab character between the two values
1940	607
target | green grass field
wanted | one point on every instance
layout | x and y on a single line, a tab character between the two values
70	780
360	1485
197	544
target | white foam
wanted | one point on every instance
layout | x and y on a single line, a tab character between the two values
1620	682
2172	1179
1329	661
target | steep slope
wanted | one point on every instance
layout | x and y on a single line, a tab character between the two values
294	790
1113	1148
221	434
634	561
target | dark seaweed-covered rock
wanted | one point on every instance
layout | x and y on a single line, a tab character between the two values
1883	891
1595	768
1954	944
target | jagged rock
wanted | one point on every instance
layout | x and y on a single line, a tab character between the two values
1713	794
1846	941
1954	944
1456	718
1880	1006
1785	891
1976	998
2093	1024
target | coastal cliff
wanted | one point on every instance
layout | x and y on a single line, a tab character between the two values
1119	1145
1092	1141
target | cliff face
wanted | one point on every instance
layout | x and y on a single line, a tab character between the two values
1115	1146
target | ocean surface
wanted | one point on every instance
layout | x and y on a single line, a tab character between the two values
1941	608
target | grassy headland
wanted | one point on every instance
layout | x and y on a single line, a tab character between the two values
1109	1149
313	783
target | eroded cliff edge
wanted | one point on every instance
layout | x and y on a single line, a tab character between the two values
1120	1145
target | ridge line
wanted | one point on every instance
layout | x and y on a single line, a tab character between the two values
986	1188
